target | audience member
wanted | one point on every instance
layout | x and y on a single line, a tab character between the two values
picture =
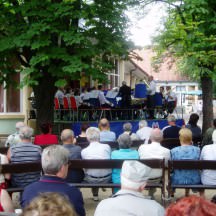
208	177
130	200
172	130
124	152
127	127
185	152
144	131
3	160
46	138
191	206
67	138
106	135
96	150
49	204
54	162
156	151
6	204
195	129
82	137
207	138
25	151
14	138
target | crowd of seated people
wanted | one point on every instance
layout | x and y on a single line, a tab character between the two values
55	159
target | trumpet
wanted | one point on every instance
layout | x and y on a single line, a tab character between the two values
147	84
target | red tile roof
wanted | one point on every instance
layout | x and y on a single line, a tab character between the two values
166	72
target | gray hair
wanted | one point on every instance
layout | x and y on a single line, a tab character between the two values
124	83
53	158
143	123
156	135
93	134
171	118
124	141
66	134
19	125
26	132
127	126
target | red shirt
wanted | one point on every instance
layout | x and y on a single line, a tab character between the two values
45	139
1	208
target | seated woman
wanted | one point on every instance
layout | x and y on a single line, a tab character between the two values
46	138
5	202
124	152
185	152
82	137
195	129
3	183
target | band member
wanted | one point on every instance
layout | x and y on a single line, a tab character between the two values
151	94
125	94
170	99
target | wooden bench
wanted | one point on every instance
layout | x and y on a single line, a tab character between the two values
189	165
90	164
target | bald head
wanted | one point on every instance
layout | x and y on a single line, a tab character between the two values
156	135
67	136
104	124
19	125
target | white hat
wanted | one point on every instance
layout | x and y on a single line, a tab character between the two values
214	136
134	174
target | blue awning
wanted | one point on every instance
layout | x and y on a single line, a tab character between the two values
198	92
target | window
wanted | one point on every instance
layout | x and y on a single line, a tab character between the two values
10	98
180	88
113	76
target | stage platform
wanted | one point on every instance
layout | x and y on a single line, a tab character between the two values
115	126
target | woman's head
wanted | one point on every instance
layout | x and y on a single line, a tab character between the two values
191	206
47	204
193	119
84	127
185	136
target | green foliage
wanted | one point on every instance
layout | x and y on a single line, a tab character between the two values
61	37
190	36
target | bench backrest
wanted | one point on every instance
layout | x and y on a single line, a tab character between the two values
77	164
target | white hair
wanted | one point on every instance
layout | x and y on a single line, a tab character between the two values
26	132
93	134
143	123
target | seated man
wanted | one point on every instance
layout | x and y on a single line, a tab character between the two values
14	138
130	200
96	150
24	151
124	152
54	161
208	177
172	130
102	99
207	138
144	131
67	138
106	135
154	151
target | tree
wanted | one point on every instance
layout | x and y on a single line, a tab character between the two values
190	36
49	41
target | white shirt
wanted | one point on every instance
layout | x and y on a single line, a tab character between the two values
60	95
102	98
78	100
3	160
154	151
144	133
208	177
96	150
152	88
171	96
129	203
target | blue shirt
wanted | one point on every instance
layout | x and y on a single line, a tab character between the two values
54	184
122	154
185	176
107	136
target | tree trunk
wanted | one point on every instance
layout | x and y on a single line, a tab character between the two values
207	89
44	96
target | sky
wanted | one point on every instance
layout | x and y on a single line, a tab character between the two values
143	28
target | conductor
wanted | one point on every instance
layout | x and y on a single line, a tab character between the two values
125	94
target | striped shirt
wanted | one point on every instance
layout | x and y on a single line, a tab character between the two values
21	153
